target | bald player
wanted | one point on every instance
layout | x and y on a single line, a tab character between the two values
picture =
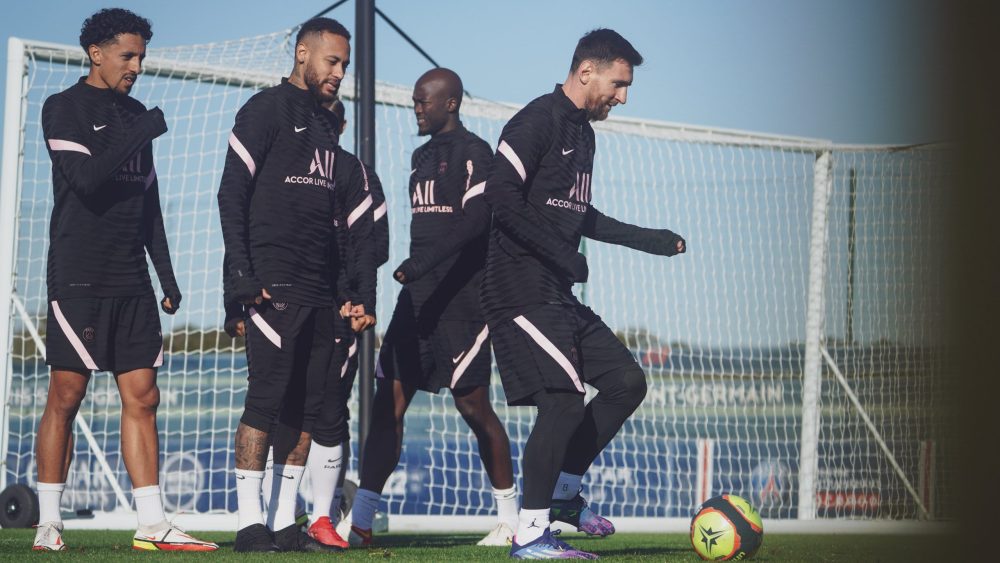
437	336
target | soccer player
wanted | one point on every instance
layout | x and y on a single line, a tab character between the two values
547	344
331	442
437	336
102	311
277	203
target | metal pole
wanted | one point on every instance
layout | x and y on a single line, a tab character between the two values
364	131
10	189
851	247
813	368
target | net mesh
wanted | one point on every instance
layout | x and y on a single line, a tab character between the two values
720	330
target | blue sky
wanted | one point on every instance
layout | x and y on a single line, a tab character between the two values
852	71
847	71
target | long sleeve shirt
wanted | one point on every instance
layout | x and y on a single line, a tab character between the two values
362	243
278	199
448	228
540	189
106	215
359	247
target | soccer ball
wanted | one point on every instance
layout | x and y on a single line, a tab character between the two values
726	528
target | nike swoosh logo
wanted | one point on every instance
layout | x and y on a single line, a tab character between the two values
286	476
457	358
565	152
300	129
96	128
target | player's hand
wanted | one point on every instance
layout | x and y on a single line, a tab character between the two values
248	290
259	298
171	305
676	246
236	327
404	272
345	310
362	323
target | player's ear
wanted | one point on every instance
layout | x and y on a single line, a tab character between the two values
452	105
585	72
96	55
301	53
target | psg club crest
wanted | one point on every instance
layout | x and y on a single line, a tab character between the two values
442	167
771	485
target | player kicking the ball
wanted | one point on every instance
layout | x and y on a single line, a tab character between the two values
547	343
102	312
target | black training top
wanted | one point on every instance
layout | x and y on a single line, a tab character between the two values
106	198
367	232
278	200
540	190
448	228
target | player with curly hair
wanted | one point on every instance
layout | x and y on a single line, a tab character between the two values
102	311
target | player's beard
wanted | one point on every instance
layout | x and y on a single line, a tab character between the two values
597	110
315	85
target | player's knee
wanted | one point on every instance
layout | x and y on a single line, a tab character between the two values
471	407
144	402
65	401
633	387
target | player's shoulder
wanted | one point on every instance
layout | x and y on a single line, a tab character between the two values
63	99
345	155
346	160
263	101
474	145
537	112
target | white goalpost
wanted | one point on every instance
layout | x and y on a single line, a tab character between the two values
793	354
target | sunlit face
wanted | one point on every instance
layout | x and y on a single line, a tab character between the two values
326	58
607	87
119	62
430	106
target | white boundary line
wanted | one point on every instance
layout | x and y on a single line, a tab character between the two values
462	524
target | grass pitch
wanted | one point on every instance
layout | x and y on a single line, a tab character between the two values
112	545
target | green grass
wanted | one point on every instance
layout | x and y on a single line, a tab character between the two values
110	546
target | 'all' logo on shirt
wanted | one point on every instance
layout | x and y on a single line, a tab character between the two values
323	164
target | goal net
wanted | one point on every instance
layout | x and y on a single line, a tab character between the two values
791	353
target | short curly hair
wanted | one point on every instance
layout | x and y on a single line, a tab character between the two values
104	26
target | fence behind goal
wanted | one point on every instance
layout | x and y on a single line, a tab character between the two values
791	354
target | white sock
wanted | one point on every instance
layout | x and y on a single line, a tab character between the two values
149	508
248	497
507	506
284	494
268	477
338	494
567	486
49	501
363	511
324	463
531	525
